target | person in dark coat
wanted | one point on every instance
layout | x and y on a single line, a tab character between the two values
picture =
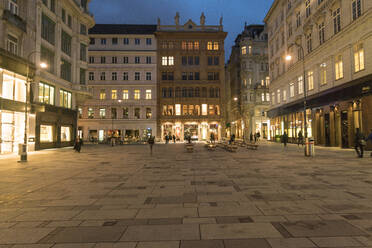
174	138
285	139
151	142
78	143
359	143
166	139
300	139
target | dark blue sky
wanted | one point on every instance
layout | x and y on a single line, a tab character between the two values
234	12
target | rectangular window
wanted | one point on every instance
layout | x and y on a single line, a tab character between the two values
91	60
308	9
191	76
215	46
125	60
137	113
216	60
137	76
125	113
103	41
103	60
125	94
92	41
164	60
82	75
47	56
170	76
284	95
310	80
184	60
210	75
148	94
102	94
114	41
197	60
190	45
126	41
197	75
298	19
164	75
148	60
191	60
83	29
356	8
210	60
65	134
170	60
148	41
69	21
321	33
66	70
13	7
48	29
291	90
114	60
137	41
90	113
184	45
209	45
339	69
103	76
359	58
244	50
137	94
66	43
184	75
12	44
114	114
323	74
204	109
46	93
309	43
114	76
46	133
268	97
148	113
300	82
148	76
91	76
65	99
137	60
196	45
125	76
114	94
336	20
178	109
278	96
83	52
102	113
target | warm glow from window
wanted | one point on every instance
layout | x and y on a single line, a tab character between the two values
164	60
46	133
184	45
148	94
323	73
65	134
114	94
170	60
250	49
310	80
125	95
300	85
215	46
196	45
339	70
137	94
359	58
204	109
209	45
244	50
178	109
102	95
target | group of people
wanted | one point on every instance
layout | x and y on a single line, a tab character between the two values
360	142
170	137
300	139
256	137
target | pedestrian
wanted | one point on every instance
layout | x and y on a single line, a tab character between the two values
232	139
300	139
212	137
174	138
151	142
258	135
255	137
359	143
285	139
77	146
369	138
189	138
166	139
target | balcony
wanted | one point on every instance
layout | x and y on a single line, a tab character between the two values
15	20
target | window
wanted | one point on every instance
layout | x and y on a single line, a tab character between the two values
356	8
48	29
125	95
308	10
65	99
321	33
184	60
300	85
197	75
82	75
114	41
148	60
91	76
170	75
125	76
148	41
69	21
102	113
148	113
262	97
323	74
336	21
209	45
164	92
148	94
196	59
66	43
278	96
148	76
196	45
46	133
170	60
191	60
114	60
250	49
48	57
339	70
125	113
137	94
103	41
359	58
90	113
83	52
46	93
126	41
92	41
204	109
137	41
102	94
211	110
114	76
309	43
137	113
298	19
164	60
191	76
210	60
137	60
190	45
137	76
197	92
184	45
273	98
12	44
215	46
267	81
290	30
211	92
204	92
210	75
291	90
178	109
65	70
125	60
244	50
284	95
268	97
103	76
184	92
103	60
216	60
83	29
91	60
310	80
164	75
114	113
13	7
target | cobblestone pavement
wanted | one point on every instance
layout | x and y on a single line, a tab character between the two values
122	197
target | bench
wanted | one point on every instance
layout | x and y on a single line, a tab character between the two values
251	146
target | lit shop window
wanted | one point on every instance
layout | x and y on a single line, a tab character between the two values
64	99
65	134
178	109
14	88
46	133
204	109
46	94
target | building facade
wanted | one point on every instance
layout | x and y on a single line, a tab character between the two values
249	81
190	79
122	74
329	43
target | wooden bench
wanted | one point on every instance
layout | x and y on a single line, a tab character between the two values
251	146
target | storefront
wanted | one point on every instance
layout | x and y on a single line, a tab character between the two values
197	130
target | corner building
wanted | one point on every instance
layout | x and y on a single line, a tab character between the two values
336	39
190	79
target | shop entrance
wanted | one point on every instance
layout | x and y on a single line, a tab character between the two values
213	128
264	130
191	130
327	130
12	131
344	129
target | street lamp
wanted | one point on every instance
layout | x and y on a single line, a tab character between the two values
43	65
289	58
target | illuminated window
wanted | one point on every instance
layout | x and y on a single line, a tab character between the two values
244	50
268	97
323	74
184	109
65	99
184	45
300	85
137	94
196	45
148	113
148	94
102	94
215	46
164	60
178	109
291	90
170	60
190	46
90	113
359	58
263	97
278	95
284	95
46	93
114	94
125	95
250	49
102	113
310	80
65	134
209	45
339	70
267	81
46	133
211	109
204	109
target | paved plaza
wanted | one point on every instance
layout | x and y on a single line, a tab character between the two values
121	197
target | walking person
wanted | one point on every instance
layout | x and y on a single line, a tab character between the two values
359	143
166	139
212	137
151	142
255	137
174	139
285	139
78	143
369	138
258	135
300	139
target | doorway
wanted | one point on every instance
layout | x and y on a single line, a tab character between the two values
344	129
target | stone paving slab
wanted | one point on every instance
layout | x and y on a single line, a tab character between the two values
157	213
246	243
23	235
106	214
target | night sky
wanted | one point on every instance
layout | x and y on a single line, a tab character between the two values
234	12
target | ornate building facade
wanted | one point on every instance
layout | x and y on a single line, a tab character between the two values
191	77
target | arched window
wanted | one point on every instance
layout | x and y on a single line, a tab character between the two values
178	92
197	92
170	92
164	92
190	92
217	92
211	92
184	92
204	92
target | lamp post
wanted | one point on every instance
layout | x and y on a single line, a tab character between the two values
43	65
289	58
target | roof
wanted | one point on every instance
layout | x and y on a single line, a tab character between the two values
123	29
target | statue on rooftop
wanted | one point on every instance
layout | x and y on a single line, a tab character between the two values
177	18
202	19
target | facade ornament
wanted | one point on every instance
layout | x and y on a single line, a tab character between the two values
177	18
202	19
